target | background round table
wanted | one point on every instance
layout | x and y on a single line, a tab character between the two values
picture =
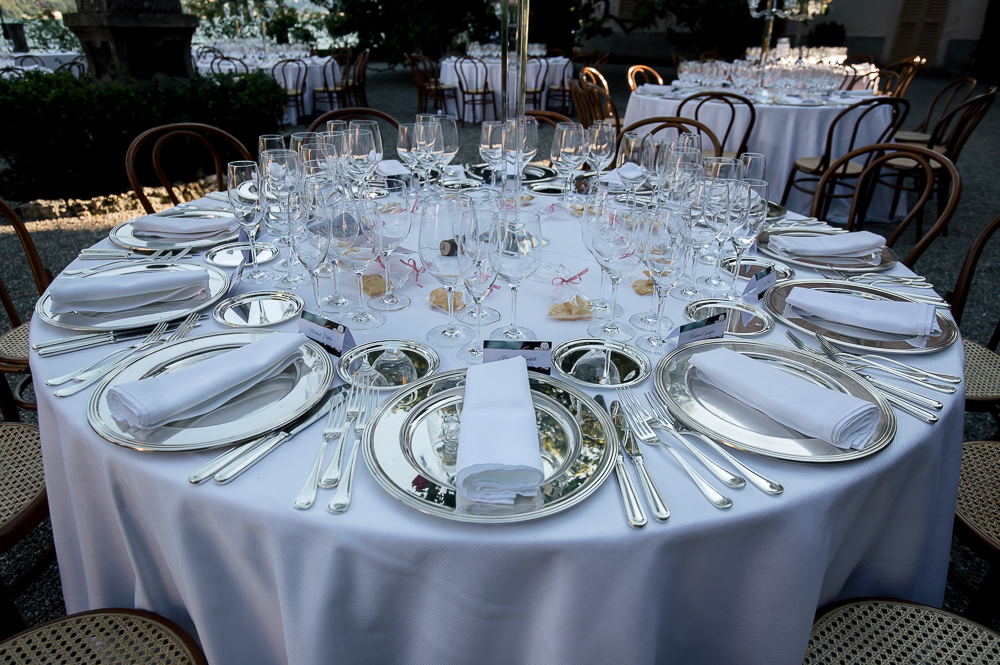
261	582
558	68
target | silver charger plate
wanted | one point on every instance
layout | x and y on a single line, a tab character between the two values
861	339
775	211
262	409
257	309
706	409
754	264
230	255
123	235
887	257
530	173
425	359
138	317
401	443
632	364
743	320
460	184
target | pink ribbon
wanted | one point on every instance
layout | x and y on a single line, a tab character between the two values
412	265
575	279
378	260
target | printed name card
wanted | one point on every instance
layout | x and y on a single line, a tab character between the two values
708	328
537	354
761	281
334	337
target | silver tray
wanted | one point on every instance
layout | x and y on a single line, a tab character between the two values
264	408
139	317
754	264
123	235
743	320
257	309
887	260
710	411
577	440
425	359
775	211
230	255
530	173
632	364
861	339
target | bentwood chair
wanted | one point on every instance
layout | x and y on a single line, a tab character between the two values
353	113
474	86
869	161
594	77
559	92
192	133
549	117
206	51
858	59
226	65
74	67
536	78
428	83
722	100
357	82
11	73
291	74
114	635
329	90
906	70
678	125
884	630
977	518
601	106
957	92
648	75
28	61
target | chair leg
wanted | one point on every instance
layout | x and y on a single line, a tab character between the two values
11	621
983	605
788	185
8	407
943	193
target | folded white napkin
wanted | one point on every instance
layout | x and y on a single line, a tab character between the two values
200	388
391	167
844	420
904	318
841	245
498	454
118	293
614	179
185	228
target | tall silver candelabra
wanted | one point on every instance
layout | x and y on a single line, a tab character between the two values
770	12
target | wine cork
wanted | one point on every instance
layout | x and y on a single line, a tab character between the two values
449	247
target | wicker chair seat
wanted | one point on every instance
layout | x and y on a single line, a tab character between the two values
982	371
906	164
14	348
912	137
437	85
710	152
478	91
556	86
812	165
23	478
979	488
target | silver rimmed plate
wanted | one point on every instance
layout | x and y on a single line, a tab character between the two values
265	407
754	264
775	211
258	309
743	320
706	409
459	184
582	361
406	441
138	317
531	173
883	260
861	339
230	255
425	359
124	235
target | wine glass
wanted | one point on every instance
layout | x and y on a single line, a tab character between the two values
336	125
406	144
599	307
439	218
310	228
362	155
480	246
387	226
752	202
449	138
724	168
754	165
282	172
270	142
522	254
298	138
244	198
706	201
430	147
395	367
491	146
721	223
619	232
665	254
600	145
357	252
569	143
372	127
635	159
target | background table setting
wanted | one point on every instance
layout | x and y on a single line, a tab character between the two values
695	552
558	68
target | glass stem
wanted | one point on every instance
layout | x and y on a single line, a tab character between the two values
387	296
513	307
251	232
661	295
612	325
604	275
336	287
361	292
739	266
314	275
451	307
717	275
477	343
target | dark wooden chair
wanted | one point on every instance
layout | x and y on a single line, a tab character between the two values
677	124
534	93
906	70
329	90
977	513
869	161
357	84
957	92
353	113
291	74
559	92
206	51
474	86
555	53
226	65
193	132
648	75
594	104
74	67
11	72
28	61
594	77
730	101
549	117
426	78
858	59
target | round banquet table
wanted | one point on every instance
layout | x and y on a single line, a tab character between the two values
52	59
558	68
260	582
783	133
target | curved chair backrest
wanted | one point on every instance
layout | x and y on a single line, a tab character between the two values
74	67
583	103
166	133
885	82
342	56
224	64
11	73
681	125
43	276
874	157
291	74
352	113
600	60
960	294
906	69
955	128
859	114
27	60
426	68
328	67
360	68
957	91
550	117
678	59
472	74
537	80
594	77
730	100
603	106
204	51
648	74
709	56
555	53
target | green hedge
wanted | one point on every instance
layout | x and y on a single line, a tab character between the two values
67	137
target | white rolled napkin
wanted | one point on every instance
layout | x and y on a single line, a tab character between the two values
498	453
903	318
391	167
118	293
849	245
844	420
185	228
200	388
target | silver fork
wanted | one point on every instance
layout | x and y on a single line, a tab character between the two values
342	499
331	477
664	417
181	331
879	361
645	434
334	428
166	257
830	350
632	403
107	266
154	334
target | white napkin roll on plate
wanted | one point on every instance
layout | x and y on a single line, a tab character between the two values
861	243
203	387
185	228
498	454
903	318
391	167
121	292
613	179
844	420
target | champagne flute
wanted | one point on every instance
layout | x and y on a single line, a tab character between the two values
568	152
268	142
665	254
619	233
387	226
310	228
480	246
244	198
745	233
522	254
357	252
439	218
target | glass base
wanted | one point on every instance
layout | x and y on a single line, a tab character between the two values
655	343
489	316
258	277
337	303
450	337
393	303
732	296
513	333
644	321
285	280
362	319
709	284
471	354
617	332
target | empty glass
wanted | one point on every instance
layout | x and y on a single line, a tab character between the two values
635	160
430	147
568	152
665	254
244	199
707	199
357	252
439	217
309	228
336	125
754	166
491	146
480	245
282	172
619	231
387	226
752	205
600	144
522	254
298	138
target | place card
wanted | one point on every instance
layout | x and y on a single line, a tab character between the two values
332	336
707	328
537	354
761	281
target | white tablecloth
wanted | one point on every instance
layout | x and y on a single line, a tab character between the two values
53	59
260	582
558	68
783	134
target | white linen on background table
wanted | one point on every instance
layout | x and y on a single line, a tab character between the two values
260	582
449	76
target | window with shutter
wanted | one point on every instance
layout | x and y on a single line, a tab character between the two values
919	29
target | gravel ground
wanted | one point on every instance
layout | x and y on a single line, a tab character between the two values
392	91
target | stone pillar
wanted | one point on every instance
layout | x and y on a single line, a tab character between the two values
138	38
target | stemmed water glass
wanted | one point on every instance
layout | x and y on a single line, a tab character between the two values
635	160
357	252
600	307
665	253
722	224
752	202
491	137
522	254
310	228
480	246
754	165
282	172
619	232
406	145
707	200
568	152
600	144
429	147
439	219
244	198
387	226
299	138
449	138
372	127
362	155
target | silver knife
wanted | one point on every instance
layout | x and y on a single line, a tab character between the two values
653	498
633	509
